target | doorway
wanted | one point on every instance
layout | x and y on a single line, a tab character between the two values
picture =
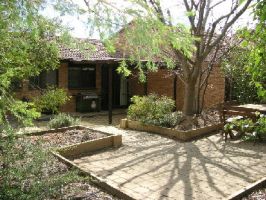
120	89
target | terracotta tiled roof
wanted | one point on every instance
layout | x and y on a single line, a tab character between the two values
95	52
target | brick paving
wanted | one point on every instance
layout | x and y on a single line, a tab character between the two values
149	166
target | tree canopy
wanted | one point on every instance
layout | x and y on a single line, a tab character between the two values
157	34
255	42
26	49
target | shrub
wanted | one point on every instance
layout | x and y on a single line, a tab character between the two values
153	109
62	120
51	100
171	119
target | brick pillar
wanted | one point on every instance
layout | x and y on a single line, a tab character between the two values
63	76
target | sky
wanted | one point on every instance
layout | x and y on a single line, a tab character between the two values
78	24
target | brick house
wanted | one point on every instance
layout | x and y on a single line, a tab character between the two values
88	78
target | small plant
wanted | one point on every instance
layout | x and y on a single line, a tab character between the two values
62	120
247	128
171	120
51	100
155	110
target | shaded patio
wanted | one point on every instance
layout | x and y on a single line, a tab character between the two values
149	166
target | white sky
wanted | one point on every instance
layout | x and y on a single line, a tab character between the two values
78	24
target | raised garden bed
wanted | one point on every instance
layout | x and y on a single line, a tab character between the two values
255	191
76	140
177	134
81	140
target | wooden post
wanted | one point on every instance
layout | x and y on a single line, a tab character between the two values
110	93
146	87
146	84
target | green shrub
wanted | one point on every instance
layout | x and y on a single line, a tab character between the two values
51	100
62	120
153	109
171	119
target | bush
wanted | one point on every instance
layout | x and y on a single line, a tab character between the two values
171	119
62	120
153	109
51	100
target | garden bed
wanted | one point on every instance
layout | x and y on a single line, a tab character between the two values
80	188
255	191
177	134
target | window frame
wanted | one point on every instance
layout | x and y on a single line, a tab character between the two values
81	83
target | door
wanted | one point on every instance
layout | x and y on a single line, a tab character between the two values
105	85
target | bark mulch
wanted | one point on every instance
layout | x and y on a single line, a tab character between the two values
78	189
257	195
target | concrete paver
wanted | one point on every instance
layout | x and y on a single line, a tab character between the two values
149	166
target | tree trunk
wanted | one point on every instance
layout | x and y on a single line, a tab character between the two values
189	107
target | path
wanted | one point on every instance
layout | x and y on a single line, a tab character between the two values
149	166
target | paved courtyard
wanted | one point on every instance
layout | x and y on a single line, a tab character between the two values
149	166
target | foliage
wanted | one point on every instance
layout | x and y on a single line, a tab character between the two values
153	109
255	42
170	120
26	49
27	171
249	129
62	120
240	85
51	100
150	31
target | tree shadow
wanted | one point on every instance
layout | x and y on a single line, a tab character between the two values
177	161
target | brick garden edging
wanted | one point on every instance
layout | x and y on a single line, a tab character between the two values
248	190
180	135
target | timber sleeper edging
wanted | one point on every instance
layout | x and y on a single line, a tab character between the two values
173	133
248	190
63	153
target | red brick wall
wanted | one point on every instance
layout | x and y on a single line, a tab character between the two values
70	106
163	84
135	87
157	82
216	89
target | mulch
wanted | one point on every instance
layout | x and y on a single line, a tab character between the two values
81	189
257	195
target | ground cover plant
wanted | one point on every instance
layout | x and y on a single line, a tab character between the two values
62	120
29	171
248	129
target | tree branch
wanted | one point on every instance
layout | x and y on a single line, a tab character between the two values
225	28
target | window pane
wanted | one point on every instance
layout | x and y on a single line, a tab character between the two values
74	77
82	76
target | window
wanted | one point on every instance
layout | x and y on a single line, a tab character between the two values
43	80
82	76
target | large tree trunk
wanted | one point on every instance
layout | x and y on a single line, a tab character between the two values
189	107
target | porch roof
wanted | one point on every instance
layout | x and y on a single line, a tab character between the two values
95	52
